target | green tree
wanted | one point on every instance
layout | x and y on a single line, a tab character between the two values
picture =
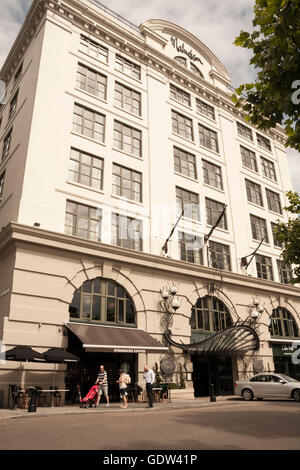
274	97
289	234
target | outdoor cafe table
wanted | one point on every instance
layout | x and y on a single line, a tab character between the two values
50	391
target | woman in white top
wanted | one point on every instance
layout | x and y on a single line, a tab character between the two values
123	388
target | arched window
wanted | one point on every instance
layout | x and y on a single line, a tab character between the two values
104	301
196	70
283	324
181	60
210	314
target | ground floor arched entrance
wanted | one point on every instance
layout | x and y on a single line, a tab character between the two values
216	370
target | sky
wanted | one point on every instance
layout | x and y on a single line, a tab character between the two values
215	22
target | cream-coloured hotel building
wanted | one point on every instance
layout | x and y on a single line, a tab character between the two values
109	131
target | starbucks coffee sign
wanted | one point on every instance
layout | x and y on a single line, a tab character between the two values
181	48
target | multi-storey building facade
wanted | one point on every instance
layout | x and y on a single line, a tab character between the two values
109	136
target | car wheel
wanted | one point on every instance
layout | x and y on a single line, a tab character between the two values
296	395
247	394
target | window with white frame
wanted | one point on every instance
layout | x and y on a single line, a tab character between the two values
205	109
268	168
212	174
182	125
93	49
185	163
91	81
129	68
244	131
249	159
83	221
189	202
128	99
213	212
259	228
127	183
254	193
263	142
264	267
127	232
86	169
128	139
88	123
219	256
208	138
180	95
190	248
273	200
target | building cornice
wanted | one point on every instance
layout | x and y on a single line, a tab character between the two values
95	22
19	235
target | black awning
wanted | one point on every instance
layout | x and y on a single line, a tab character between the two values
104	338
236	339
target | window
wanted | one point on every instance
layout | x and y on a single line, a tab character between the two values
94	49
205	109
182	125
128	139
212	175
91	81
86	169
13	104
254	193
264	267
190	248
283	324
196	70
244	131
208	138
210	314
18	72
181	60
213	212
219	255
127	232
268	169
189	202
6	144
275	241
1	184
259	228
88	123
128	67
102	300
128	99
185	163
180	95
127	183
273	200
83	221
263	142
249	159
285	272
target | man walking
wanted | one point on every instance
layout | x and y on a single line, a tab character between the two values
149	376
103	385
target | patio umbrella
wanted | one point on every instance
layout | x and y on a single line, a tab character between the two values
56	355
23	354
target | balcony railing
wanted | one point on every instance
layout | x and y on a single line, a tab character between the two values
115	15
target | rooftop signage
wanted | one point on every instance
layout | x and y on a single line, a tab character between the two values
181	48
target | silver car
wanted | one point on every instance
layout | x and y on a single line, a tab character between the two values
268	385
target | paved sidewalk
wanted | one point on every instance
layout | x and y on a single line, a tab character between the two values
115	407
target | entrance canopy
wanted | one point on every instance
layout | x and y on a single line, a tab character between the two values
236	339
102	338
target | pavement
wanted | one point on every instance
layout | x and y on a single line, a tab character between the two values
115	407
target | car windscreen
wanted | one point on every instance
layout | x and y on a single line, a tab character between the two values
288	379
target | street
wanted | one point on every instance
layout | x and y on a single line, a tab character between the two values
261	425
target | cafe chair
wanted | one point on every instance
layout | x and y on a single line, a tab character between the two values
40	396
55	395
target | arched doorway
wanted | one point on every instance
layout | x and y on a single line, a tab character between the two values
209	316
283	330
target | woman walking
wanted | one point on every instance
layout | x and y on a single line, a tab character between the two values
123	388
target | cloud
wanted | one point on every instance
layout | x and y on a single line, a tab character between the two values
13	13
214	22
